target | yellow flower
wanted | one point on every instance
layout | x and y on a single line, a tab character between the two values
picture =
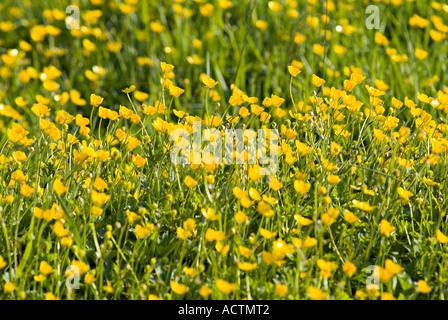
381	39
64	117
268	257
317	81
205	291
59	229
349	268
392	267
100	184
253	193
264	117
108	288
276	101
19	177
441	237
247	266
245	252
82	267
40	109
99	198
333	179
8	199
176	91
335	148
281	289
191	272
302	220
224	286
2	263
166	68
421	54
267	234
16	132
141	231
212	121
256	109
160	124
326	268
261	24
20	156
132	216
429	182
210	214
96	100
140	95
374	92
45	268
280	249
307	243
209	82
157	27
244	112
299	38
379	135
221	248
81	121
139	161
404	193
275	6
361	294
397	103
330	216
381	85
316	293
349	85
96	211
9	287
350	217
239	193
129	90
265	209
270	200
386	228
182	234
275	185
125	112
26	190
39	278
190	182
241	217
364	206
294	71
423	287
387	296
89	279
178	288
66	241
179	114
301	186
318	49
189	224
59	187
327	165
213	235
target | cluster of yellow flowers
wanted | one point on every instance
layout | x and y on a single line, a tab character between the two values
332	110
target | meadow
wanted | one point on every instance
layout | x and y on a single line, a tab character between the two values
94	92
